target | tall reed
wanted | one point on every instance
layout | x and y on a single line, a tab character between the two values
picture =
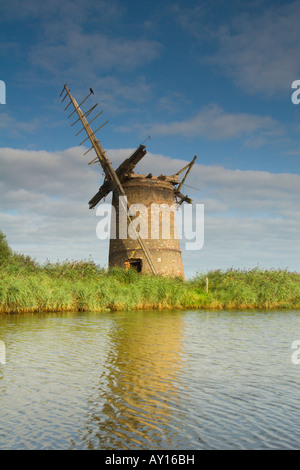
26	286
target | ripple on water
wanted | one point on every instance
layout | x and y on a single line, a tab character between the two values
149	380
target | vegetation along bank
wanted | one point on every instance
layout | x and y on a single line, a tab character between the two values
27	286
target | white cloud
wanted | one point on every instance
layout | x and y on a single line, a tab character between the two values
69	10
15	128
190	18
75	38
214	123
81	42
92	52
251	217
259	50
256	44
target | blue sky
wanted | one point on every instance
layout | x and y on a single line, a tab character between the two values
211	79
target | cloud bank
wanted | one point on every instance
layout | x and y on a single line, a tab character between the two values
251	217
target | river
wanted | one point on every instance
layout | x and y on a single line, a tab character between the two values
164	380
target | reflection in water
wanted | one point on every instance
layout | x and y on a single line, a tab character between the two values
150	380
139	386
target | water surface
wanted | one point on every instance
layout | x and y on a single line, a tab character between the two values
150	380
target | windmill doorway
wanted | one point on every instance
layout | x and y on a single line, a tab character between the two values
136	263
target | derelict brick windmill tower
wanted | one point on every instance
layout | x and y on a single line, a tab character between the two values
154	252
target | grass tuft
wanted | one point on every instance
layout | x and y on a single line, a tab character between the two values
26	286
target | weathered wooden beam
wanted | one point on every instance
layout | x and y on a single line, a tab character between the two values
126	167
103	191
89	122
174	179
80	104
182	197
111	175
129	164
93	133
189	167
86	113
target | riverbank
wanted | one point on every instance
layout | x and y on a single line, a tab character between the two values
26	286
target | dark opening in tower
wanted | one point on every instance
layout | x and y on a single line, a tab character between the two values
136	263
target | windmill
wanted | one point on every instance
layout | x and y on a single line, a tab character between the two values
156	256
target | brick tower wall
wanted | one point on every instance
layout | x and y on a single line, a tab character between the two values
165	252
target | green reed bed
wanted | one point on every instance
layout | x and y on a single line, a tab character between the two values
254	288
26	286
83	286
72	289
